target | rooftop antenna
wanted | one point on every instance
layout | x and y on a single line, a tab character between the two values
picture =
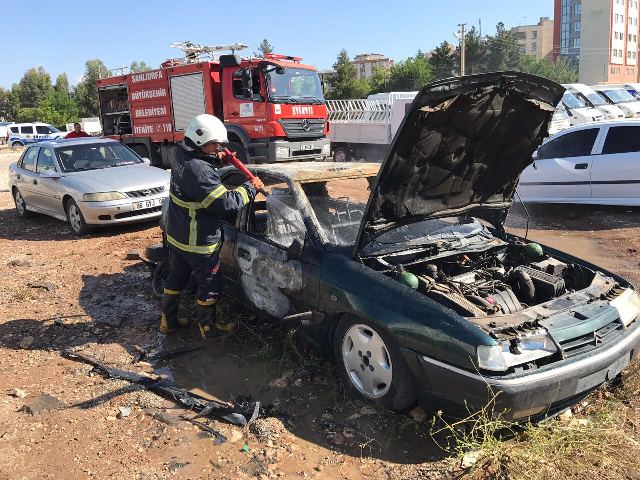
194	52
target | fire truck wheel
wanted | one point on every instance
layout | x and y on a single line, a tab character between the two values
241	153
341	154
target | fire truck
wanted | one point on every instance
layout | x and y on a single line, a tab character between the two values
273	106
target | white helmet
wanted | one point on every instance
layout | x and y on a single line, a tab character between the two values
205	129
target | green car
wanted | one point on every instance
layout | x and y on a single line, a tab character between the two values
403	272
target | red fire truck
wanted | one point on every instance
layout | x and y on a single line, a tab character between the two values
273	107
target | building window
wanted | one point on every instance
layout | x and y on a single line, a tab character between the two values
534	35
577	26
577	8
576	42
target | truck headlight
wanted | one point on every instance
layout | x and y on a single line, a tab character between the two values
326	149
103	196
283	152
628	306
518	351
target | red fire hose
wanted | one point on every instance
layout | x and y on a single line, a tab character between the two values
231	158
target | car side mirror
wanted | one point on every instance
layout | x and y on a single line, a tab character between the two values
294	250
50	174
146	161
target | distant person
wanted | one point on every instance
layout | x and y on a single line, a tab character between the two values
77	132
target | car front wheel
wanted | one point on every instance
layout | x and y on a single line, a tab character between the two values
371	365
21	205
76	219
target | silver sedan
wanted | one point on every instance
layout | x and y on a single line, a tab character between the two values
87	182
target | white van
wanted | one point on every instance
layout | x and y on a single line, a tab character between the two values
591	98
579	112
21	134
4	131
618	95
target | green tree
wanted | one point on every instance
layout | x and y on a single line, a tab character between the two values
410	74
137	67
443	61
344	82
503	52
62	83
57	108
560	72
379	80
9	104
86	92
475	53
264	47
26	114
34	85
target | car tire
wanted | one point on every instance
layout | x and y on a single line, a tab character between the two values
241	153
76	220
17	144
160	273
157	253
21	205
371	365
341	154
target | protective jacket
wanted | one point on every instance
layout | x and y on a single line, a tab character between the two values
198	202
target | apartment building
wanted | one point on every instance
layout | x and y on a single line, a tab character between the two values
536	39
365	62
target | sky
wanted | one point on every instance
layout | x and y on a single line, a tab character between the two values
62	36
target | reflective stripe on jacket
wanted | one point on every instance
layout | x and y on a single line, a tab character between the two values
198	202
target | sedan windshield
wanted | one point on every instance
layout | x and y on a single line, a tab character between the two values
595	99
571	101
94	156
618	95
295	85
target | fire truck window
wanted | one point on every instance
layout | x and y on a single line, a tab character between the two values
257	85
237	88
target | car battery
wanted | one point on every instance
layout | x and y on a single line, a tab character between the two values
550	266
547	286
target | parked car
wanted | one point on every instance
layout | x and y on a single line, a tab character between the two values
559	121
579	110
87	182
620	97
403	272
590	164
21	134
592	99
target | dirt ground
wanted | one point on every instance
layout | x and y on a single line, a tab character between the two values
59	417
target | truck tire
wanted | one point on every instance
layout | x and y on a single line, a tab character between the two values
341	154
240	151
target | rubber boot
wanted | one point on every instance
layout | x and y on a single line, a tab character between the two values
206	318
169	317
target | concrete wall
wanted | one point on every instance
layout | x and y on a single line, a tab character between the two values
595	41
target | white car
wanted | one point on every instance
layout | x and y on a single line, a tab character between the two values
621	97
579	111
597	163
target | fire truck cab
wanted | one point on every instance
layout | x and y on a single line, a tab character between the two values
273	107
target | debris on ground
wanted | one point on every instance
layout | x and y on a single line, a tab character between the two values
470	459
266	429
26	342
18	393
418	415
42	403
133	255
123	412
48	286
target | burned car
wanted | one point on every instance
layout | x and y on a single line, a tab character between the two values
403	272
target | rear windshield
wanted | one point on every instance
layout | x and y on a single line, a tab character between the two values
95	156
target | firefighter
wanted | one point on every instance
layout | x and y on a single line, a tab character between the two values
197	202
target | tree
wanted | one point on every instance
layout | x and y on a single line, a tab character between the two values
34	85
503	52
86	92
344	82
57	108
379	80
560	72
62	84
410	74
475	53
264	47
443	61
9	103
137	67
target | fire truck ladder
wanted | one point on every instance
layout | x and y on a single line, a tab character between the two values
194	52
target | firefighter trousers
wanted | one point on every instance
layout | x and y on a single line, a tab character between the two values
205	269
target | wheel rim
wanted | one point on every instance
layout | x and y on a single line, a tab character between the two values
20	206
74	218
367	360
341	156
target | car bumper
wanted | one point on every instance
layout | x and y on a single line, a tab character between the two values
120	211
544	392
284	151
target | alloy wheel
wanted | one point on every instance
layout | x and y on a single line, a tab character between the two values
74	218
367	361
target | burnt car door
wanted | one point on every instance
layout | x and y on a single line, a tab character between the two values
275	258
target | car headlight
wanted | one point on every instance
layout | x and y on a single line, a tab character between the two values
103	196
628	306
282	152
518	351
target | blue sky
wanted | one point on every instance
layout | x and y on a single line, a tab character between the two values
62	36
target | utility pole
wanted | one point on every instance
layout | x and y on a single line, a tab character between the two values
462	47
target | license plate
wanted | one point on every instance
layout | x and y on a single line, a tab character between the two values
306	146
152	202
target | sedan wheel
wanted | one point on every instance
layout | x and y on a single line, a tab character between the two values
21	205
76	219
371	365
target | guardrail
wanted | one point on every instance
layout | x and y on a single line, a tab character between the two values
358	111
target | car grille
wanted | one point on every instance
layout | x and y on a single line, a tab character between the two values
603	335
136	213
147	192
303	128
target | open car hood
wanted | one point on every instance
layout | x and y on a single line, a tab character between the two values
461	147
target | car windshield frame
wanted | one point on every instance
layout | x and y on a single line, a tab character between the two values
594	99
617	95
280	90
119	155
